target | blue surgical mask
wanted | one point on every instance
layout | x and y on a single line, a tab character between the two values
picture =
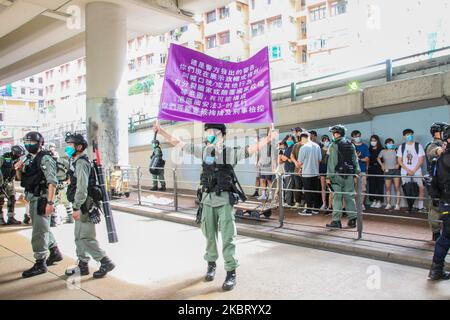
326	144
153	145
290	143
211	138
70	151
357	139
390	146
410	138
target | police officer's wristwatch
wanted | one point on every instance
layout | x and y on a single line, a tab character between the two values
51	203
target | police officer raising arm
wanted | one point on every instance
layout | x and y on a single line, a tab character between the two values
38	177
220	192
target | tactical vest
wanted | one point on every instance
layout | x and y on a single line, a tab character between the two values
346	152
94	190
217	177
7	168
443	176
431	164
61	169
33	178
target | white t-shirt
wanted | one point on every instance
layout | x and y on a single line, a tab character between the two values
410	157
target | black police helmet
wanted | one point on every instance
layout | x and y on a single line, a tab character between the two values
218	126
438	127
34	136
338	129
77	139
17	150
156	142
446	133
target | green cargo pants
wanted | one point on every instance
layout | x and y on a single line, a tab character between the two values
11	192
340	184
159	177
42	238
434	215
86	244
215	219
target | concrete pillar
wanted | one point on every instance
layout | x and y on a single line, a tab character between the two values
106	44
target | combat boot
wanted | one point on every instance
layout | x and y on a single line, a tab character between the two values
39	267
335	225
163	188
211	272
155	188
82	266
351	223
26	219
55	256
437	272
106	266
12	221
230	281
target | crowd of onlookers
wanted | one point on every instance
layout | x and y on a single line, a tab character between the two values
302	159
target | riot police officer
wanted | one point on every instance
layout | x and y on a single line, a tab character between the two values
81	192
157	167
38	177
440	189
220	192
7	177
433	150
342	164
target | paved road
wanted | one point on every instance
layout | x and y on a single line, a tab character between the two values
163	260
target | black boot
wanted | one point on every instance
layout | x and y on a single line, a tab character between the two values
39	267
83	269
211	272
106	266
436	235
230	281
335	225
437	272
155	188
163	188
55	256
26	219
351	223
255	194
52	221
12	221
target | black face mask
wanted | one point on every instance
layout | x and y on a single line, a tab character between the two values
32	148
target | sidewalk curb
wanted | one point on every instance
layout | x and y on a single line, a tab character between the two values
366	249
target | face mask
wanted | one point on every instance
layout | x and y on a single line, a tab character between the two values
290	143
410	138
326	144
357	139
390	146
211	138
153	145
373	143
32	148
70	151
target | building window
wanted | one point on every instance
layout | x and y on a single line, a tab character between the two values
318	13
184	28
23	91
257	28
31	92
338	7
275	52
149	59
161	38
224	12
32	80
2	118
211	42
211	16
163	58
131	65
41	92
304	56
40	80
224	37
275	23
253	4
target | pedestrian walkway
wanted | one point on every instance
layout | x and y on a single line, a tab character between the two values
163	260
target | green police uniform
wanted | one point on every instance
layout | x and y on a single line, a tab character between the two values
160	175
85	237
433	214
42	238
218	213
7	183
342	184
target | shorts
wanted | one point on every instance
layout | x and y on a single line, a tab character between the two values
266	174
406	179
392	172
323	168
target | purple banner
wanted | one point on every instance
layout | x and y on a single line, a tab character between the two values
201	88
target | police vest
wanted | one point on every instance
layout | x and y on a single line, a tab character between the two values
33	178
61	169
346	152
443	176
7	168
217	177
431	164
93	189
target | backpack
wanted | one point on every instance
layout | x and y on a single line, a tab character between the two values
416	146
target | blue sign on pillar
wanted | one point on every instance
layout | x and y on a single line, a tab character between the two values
6	91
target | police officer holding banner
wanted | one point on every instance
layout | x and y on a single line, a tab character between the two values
342	164
220	191
38	177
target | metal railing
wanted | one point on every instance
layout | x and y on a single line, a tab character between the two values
141	181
